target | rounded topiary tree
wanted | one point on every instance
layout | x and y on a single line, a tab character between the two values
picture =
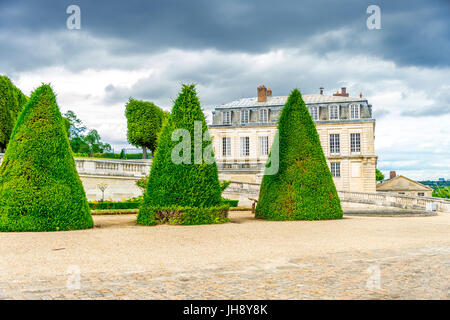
144	122
302	188
183	186
40	189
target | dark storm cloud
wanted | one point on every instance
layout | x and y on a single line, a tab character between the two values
33	33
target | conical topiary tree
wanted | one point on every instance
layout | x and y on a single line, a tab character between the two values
12	101
302	188
183	186
40	189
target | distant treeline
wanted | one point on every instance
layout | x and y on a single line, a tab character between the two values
434	183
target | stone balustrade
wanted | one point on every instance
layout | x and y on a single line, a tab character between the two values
241	166
397	200
113	167
243	190
121	176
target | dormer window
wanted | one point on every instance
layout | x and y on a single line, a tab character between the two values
354	111
333	111
226	117
263	115
244	116
314	112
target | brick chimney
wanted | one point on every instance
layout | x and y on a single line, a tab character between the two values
262	93
269	92
392	174
343	92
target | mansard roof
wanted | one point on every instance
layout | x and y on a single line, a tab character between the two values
281	100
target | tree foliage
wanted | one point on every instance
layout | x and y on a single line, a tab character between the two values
40	189
302	188
191	191
441	192
80	143
379	175
144	121
12	101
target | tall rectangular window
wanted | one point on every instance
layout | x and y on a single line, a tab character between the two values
334	143
314	112
264	145
245	146
244	116
354	111
335	169
226	117
263	115
355	142
226	146
334	112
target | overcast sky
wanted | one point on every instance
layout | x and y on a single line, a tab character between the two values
146	49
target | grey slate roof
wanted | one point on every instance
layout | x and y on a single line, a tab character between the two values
281	100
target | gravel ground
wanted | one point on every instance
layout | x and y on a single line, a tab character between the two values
356	257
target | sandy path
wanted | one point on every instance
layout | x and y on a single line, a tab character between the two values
117	244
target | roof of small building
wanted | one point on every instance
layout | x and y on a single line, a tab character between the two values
281	100
401	183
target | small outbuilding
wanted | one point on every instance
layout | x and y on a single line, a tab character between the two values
403	185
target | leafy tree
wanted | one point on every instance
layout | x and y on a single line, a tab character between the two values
80	143
441	192
40	189
302	188
12	101
93	140
189	191
144	121
379	175
76	128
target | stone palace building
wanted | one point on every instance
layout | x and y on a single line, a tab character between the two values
242	133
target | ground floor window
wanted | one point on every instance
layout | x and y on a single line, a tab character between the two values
226	146
264	145
245	146
335	169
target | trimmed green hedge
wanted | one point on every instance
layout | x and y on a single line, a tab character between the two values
192	185
40	189
303	188
101	205
12	101
183	215
231	203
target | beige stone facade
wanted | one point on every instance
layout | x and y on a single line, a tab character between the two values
241	132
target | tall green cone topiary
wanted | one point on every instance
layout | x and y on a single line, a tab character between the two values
12	101
188	192
302	188
40	189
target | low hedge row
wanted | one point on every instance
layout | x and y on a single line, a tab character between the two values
114	205
149	215
231	203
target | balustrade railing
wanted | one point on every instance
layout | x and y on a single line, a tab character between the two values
380	198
